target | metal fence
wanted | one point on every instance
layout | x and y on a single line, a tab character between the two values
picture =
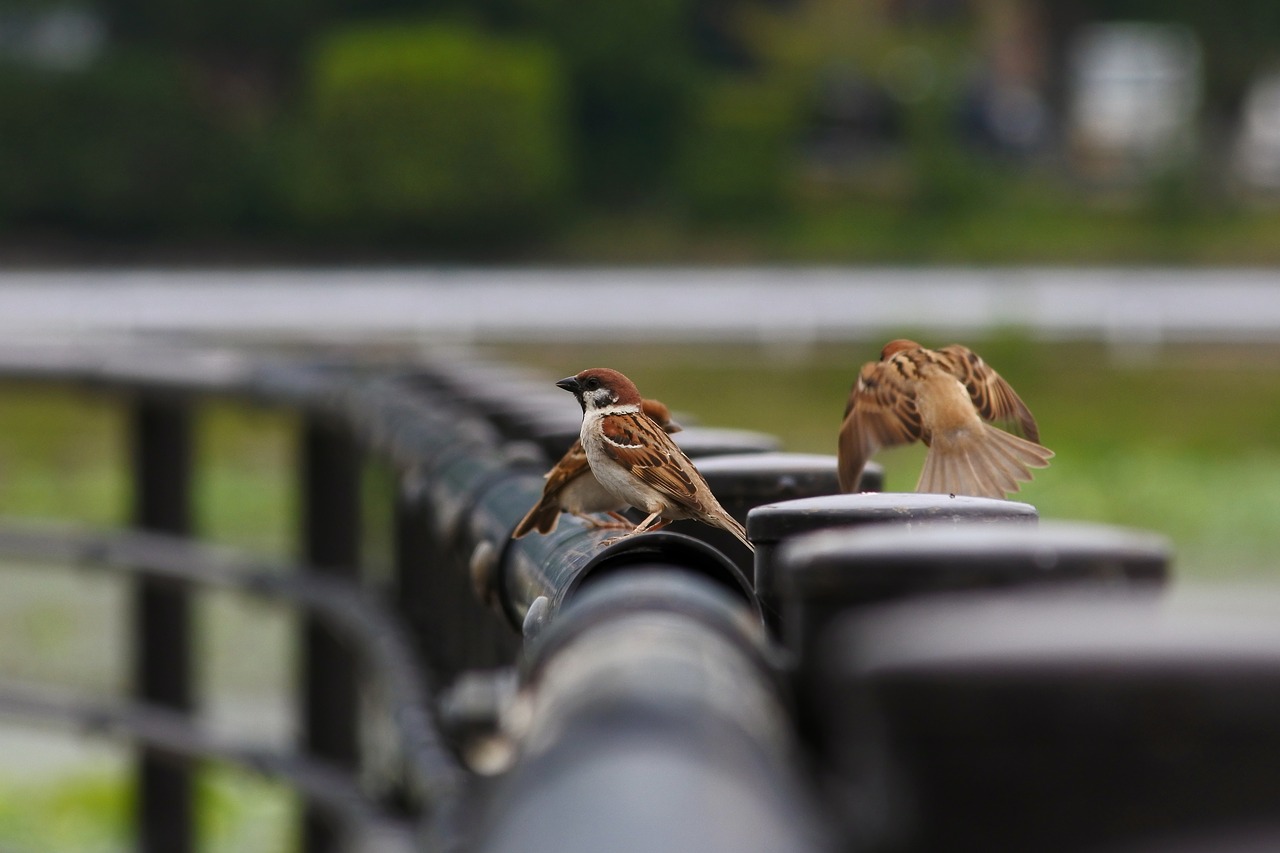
887	672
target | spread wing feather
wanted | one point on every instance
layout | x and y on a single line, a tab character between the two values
881	412
992	396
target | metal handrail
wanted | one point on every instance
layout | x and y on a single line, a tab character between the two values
175	734
438	778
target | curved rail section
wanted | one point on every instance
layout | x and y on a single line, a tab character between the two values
436	778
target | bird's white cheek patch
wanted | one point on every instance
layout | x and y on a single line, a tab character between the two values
600	398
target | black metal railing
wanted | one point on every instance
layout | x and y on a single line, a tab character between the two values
337	609
668	692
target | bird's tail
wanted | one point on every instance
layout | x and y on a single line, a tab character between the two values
989	463
543	518
729	523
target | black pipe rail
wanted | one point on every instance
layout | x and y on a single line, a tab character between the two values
173	739
653	718
462	488
345	615
790	701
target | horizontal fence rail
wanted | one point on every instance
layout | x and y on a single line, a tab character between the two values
655	695
790	304
173	736
436	777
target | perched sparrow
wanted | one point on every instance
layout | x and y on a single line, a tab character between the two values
572	488
636	461
943	398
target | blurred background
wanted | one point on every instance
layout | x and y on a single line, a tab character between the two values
1087	193
640	130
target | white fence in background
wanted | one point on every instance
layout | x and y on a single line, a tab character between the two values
774	305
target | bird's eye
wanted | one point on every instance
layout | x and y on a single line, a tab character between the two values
592	384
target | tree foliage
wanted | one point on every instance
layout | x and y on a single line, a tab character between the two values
430	131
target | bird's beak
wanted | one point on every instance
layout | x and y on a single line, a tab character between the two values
570	384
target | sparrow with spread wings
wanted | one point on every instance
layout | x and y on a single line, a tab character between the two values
947	398
572	488
636	461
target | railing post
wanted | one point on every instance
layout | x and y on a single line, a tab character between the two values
330	474
414	551
160	435
453	629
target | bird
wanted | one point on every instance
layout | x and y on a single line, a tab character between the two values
947	398
636	461
572	488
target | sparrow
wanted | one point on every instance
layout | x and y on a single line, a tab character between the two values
945	398
638	463
572	488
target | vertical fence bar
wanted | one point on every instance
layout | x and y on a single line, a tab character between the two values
453	630
160	435
414	551
331	546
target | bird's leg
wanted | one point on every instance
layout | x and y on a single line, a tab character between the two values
618	522
655	521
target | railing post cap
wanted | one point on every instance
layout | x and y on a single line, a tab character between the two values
701	442
820	576
772	523
744	480
1152	716
824	562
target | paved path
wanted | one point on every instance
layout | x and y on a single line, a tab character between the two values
782	304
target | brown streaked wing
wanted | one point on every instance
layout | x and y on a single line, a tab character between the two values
652	457
992	396
546	512
881	413
570	467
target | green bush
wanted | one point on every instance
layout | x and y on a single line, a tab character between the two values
633	74
120	147
737	150
433	133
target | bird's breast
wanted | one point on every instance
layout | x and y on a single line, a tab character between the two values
619	481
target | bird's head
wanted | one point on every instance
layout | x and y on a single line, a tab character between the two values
600	387
659	414
896	346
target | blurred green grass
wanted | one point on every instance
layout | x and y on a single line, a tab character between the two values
92	814
1184	440
64	455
